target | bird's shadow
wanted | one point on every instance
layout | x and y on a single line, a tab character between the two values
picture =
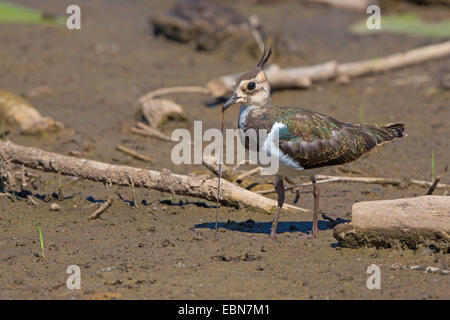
251	226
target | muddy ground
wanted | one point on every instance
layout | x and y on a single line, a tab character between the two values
163	249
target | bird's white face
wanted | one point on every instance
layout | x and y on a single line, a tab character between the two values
254	91
250	89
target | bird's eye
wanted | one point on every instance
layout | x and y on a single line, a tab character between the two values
251	86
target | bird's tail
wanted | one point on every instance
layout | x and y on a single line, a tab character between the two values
397	130
380	134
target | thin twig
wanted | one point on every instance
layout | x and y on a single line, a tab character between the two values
383	181
181	89
247	174
433	186
100	210
133	153
31	200
145	130
295	186
133	191
254	23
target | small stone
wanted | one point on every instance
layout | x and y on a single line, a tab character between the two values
108	269
396	266
55	207
431	269
417	268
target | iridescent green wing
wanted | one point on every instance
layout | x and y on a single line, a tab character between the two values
315	140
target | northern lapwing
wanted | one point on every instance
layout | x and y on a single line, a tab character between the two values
307	141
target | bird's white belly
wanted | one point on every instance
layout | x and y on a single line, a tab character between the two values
286	169
286	165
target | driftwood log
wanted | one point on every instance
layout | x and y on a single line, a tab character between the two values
303	77
16	110
409	222
164	181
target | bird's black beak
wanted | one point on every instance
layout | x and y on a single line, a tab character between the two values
229	102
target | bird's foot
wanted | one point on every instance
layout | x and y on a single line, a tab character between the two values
309	236
271	237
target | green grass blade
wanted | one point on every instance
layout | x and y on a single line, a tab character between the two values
41	240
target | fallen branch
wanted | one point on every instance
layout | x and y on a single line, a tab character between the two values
100	210
395	61
279	78
164	181
304	77
133	153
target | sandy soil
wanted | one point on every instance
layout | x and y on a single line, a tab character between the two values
163	249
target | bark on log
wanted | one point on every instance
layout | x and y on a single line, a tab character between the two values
164	181
303	77
409	222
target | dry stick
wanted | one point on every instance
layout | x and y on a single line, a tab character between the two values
395	61
296	186
394	182
165	181
145	130
23	183
346	4
32	201
181	89
433	185
279	78
100	210
303	77
254	23
133	192
374	180
246	174
133	153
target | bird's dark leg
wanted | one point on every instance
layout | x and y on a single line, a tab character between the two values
279	188
316	193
